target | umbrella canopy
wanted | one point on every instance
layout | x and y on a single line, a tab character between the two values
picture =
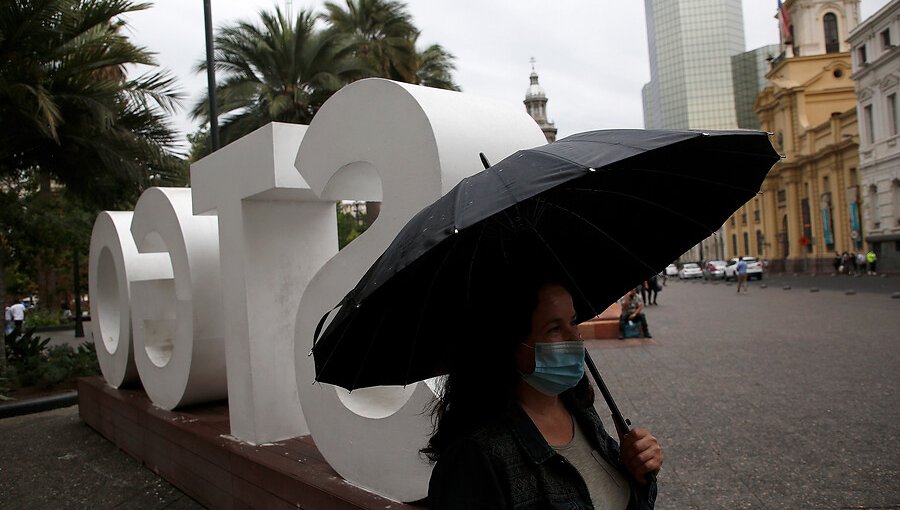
605	209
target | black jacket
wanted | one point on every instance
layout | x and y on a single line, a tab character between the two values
508	464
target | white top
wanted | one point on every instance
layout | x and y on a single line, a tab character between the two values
18	312
608	488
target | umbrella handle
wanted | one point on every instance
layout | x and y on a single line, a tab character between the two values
623	424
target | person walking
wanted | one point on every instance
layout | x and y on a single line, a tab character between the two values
741	270
17	310
871	259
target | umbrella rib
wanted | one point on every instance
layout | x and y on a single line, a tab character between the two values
691	177
650	202
437	272
568	275
598	229
337	343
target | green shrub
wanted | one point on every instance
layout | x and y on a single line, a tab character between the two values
31	363
38	316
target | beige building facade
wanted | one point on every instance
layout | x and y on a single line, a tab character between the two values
809	206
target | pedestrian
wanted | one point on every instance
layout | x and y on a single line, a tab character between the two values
871	258
741	269
861	262
515	425
17	310
837	263
853	267
632	311
845	263
9	321
649	290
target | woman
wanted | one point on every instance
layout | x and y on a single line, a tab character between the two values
515	426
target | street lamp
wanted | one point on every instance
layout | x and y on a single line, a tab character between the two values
211	79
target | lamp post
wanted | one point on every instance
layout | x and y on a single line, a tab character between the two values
211	79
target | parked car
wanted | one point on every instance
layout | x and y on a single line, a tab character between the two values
671	270
690	270
754	269
714	270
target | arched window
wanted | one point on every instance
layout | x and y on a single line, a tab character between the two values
832	44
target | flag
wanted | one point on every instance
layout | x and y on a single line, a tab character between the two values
785	22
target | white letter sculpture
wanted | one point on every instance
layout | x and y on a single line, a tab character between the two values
275	232
114	263
420	142
177	322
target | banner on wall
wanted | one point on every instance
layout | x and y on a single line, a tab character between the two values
827	231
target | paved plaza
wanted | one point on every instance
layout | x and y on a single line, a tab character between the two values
770	399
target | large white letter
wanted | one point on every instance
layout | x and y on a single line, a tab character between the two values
274	234
114	263
416	143
177	322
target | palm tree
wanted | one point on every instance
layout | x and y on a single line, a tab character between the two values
282	70
70	114
433	67
73	120
381	33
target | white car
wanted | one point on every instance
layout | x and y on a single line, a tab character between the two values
754	269
690	270
671	270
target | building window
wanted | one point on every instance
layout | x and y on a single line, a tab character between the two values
743	218
892	113
782	196
734	244
873	206
746	243
870	123
759	242
832	43
886	39
756	216
861	55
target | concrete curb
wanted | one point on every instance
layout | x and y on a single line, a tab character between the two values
37	405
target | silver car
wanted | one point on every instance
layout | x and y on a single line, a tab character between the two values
690	270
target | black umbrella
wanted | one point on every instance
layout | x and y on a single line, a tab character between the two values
608	209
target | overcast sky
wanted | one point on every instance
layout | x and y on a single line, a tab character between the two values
591	55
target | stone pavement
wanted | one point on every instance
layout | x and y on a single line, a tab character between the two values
781	399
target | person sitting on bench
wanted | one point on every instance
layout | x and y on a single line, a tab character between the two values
631	311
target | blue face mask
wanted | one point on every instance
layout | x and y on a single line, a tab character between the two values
558	366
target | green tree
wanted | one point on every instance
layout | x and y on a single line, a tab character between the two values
77	133
281	70
433	67
380	32
71	116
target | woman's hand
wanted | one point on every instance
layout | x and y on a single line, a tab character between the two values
641	453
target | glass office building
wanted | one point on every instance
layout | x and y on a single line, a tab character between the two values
748	73
691	43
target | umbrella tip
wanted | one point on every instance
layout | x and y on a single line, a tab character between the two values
484	160
455	230
309	354
592	169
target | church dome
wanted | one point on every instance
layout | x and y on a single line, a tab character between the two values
535	91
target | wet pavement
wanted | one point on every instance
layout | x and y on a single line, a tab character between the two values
774	398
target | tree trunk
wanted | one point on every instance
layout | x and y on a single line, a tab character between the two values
3	303
79	327
372	211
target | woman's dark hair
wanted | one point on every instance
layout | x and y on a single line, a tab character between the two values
480	385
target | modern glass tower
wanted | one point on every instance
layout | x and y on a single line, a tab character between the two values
691	44
748	72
